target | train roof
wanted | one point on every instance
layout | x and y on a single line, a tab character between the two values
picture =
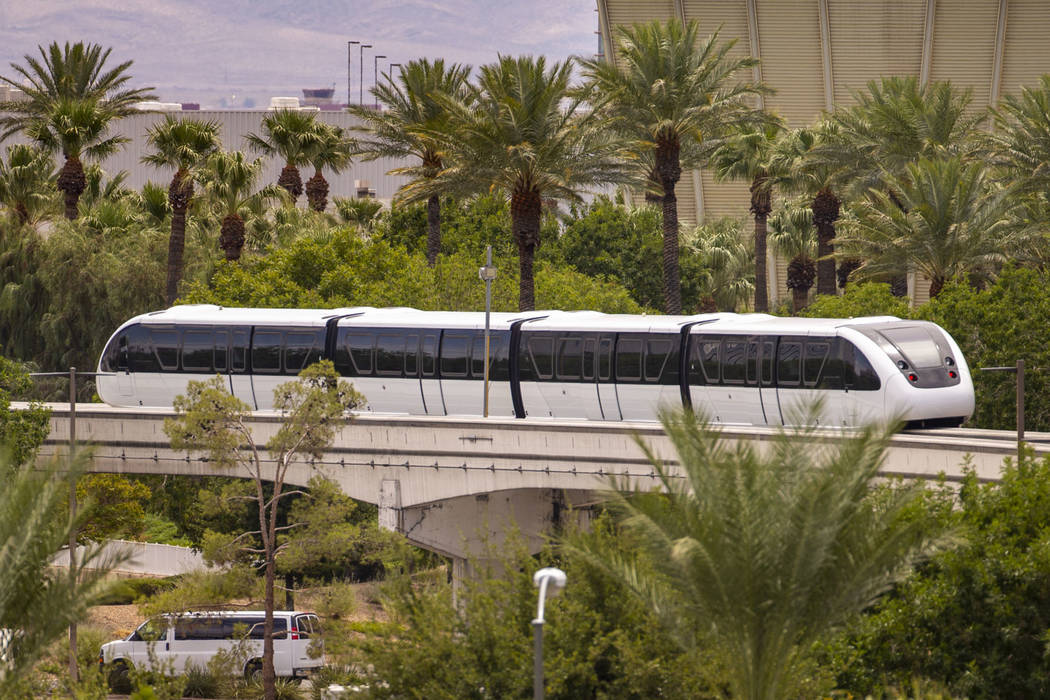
366	316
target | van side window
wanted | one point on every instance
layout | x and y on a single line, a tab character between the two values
198	628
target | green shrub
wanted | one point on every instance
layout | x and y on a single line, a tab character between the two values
201	683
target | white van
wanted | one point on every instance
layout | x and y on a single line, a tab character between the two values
191	640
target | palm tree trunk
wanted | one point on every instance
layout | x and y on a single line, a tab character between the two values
231	236
669	172
761	205
525	210
317	191
825	213
22	212
179	193
936	286
71	182
291	181
800	275
433	229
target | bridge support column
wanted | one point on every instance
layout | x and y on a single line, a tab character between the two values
390	516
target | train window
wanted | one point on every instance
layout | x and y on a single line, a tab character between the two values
588	358
166	348
734	361
710	354
239	361
859	374
140	354
477	355
222	342
454	349
813	363
429	355
197	349
541	350
760	354
629	360
360	347
411	355
789	359
301	350
570	358
696	371
604	359
390	358
656	359
266	352
916	345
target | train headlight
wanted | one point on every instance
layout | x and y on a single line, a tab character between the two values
949	361
902	364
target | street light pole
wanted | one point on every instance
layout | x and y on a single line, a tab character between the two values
361	88
392	69
488	274
375	72
542	579
348	49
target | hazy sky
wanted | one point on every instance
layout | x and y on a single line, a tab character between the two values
224	52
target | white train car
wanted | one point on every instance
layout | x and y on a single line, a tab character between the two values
736	369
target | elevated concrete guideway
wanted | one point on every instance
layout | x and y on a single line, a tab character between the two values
450	484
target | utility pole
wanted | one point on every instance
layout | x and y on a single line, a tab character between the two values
361	89
348	50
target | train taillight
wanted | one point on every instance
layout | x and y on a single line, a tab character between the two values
912	377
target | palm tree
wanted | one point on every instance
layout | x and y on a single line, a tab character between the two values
74	72
328	147
228	179
946	218
793	236
728	264
748	155
182	144
287	133
27	182
1021	141
671	93
77	127
759	553
523	134
412	110
802	168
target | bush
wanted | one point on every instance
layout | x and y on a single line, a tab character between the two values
866	299
131	590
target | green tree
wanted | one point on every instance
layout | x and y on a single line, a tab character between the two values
524	134
671	91
757	555
27	183
793	236
212	421
945	218
77	127
726	265
117	507
414	108
860	299
748	155
70	72
182	144
21	432
228	179
287	133
1021	140
329	147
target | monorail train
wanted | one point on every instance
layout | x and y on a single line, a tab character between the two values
751	369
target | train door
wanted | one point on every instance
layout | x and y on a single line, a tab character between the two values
125	380
810	383
606	387
429	384
732	389
760	354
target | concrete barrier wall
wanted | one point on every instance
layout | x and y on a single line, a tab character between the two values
143	558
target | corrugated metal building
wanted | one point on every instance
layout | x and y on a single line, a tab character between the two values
814	53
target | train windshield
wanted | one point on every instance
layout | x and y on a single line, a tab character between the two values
916	345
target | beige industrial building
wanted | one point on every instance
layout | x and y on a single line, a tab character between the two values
815	53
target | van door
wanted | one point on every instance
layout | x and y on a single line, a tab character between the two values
155	633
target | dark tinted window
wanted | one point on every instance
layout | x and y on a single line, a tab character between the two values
140	350
266	352
816	354
454	349
604	358
589	356
734	361
859	374
198	628
570	358
429	355
257	628
916	345
710	353
656	357
240	351
166	348
197	351
789	361
477	355
541	352
390	358
359	346
301	349
411	355
760	355
629	360
222	340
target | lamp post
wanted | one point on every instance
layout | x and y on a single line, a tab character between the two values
392	68
348	50
361	88
543	579
487	274
375	71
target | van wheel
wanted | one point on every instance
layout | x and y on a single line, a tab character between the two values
119	678
253	671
